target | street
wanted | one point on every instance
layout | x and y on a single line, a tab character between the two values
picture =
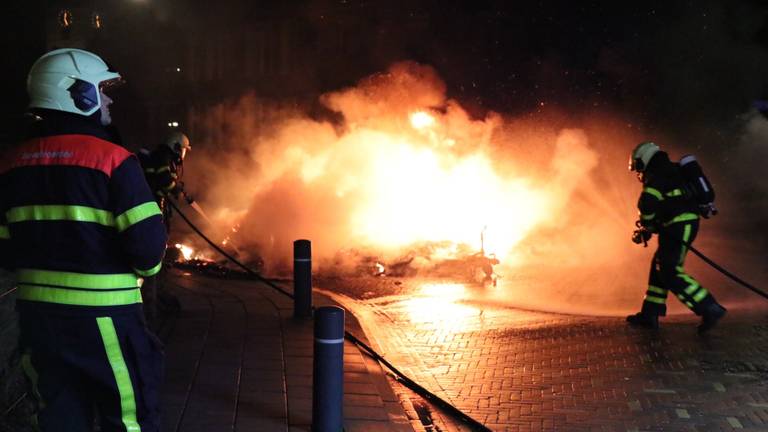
521	370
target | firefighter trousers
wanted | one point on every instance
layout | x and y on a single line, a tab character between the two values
667	272
105	367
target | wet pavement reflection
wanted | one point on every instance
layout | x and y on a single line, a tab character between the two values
515	369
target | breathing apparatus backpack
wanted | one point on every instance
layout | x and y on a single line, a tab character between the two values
697	186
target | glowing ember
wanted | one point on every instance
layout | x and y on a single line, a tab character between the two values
228	239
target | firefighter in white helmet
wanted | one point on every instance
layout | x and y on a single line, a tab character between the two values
164	169
668	210
79	227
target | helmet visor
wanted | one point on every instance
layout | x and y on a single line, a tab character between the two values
110	84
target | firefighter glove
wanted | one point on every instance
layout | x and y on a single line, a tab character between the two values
188	197
177	190
641	236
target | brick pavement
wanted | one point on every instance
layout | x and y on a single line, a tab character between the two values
237	360
515	370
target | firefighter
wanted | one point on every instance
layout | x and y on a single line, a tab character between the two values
668	211
164	168
80	228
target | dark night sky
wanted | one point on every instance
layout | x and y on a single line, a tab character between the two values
669	64
689	60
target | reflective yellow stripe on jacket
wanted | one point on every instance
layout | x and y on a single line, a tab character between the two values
151	272
683	217
675	193
660	196
81	289
60	212
136	215
654	192
83	214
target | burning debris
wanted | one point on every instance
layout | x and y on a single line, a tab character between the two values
406	166
443	259
186	257
402	179
185	253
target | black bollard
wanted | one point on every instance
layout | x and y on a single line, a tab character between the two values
302	279
328	371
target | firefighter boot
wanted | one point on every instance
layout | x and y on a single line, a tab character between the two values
643	319
710	315
648	317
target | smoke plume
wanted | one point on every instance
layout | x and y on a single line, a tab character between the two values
400	174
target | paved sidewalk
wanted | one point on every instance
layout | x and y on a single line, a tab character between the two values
510	369
237	360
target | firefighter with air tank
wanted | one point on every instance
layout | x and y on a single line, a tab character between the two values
674	196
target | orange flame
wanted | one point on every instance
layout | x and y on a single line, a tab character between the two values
421	119
399	163
418	193
405	167
186	251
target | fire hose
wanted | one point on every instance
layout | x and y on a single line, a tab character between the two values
642	236
408	382
725	272
226	255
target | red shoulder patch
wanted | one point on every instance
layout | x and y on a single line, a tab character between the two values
71	150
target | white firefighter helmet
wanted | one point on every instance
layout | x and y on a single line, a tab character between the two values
641	156
178	143
70	80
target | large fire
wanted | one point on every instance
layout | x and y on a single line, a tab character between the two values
403	168
418	193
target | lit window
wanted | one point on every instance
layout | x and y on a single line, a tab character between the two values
65	18
96	21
